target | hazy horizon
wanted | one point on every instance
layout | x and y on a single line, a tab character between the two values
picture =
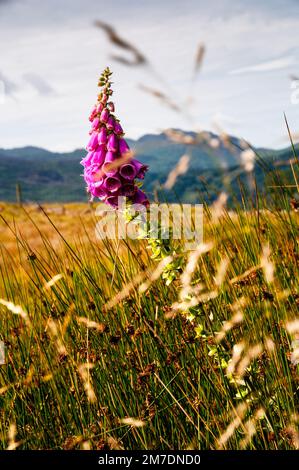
71	150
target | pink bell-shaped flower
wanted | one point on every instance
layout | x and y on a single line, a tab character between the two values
93	142
102	138
123	147
128	171
108	167
112	143
112	183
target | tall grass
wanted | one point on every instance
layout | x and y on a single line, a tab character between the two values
93	362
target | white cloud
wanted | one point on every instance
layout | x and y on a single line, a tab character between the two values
278	64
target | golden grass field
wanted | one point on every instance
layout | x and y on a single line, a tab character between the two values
72	220
102	354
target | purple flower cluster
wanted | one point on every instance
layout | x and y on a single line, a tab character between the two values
109	169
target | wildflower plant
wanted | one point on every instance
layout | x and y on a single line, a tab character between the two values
110	172
111	175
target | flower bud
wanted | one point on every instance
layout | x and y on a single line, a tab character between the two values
102	138
93	114
110	123
95	123
104	115
117	128
100	108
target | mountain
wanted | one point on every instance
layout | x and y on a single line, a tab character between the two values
55	177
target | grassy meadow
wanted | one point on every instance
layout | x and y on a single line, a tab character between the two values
102	354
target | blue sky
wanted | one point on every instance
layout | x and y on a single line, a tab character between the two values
51	56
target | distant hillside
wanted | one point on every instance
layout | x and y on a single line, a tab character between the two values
55	177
